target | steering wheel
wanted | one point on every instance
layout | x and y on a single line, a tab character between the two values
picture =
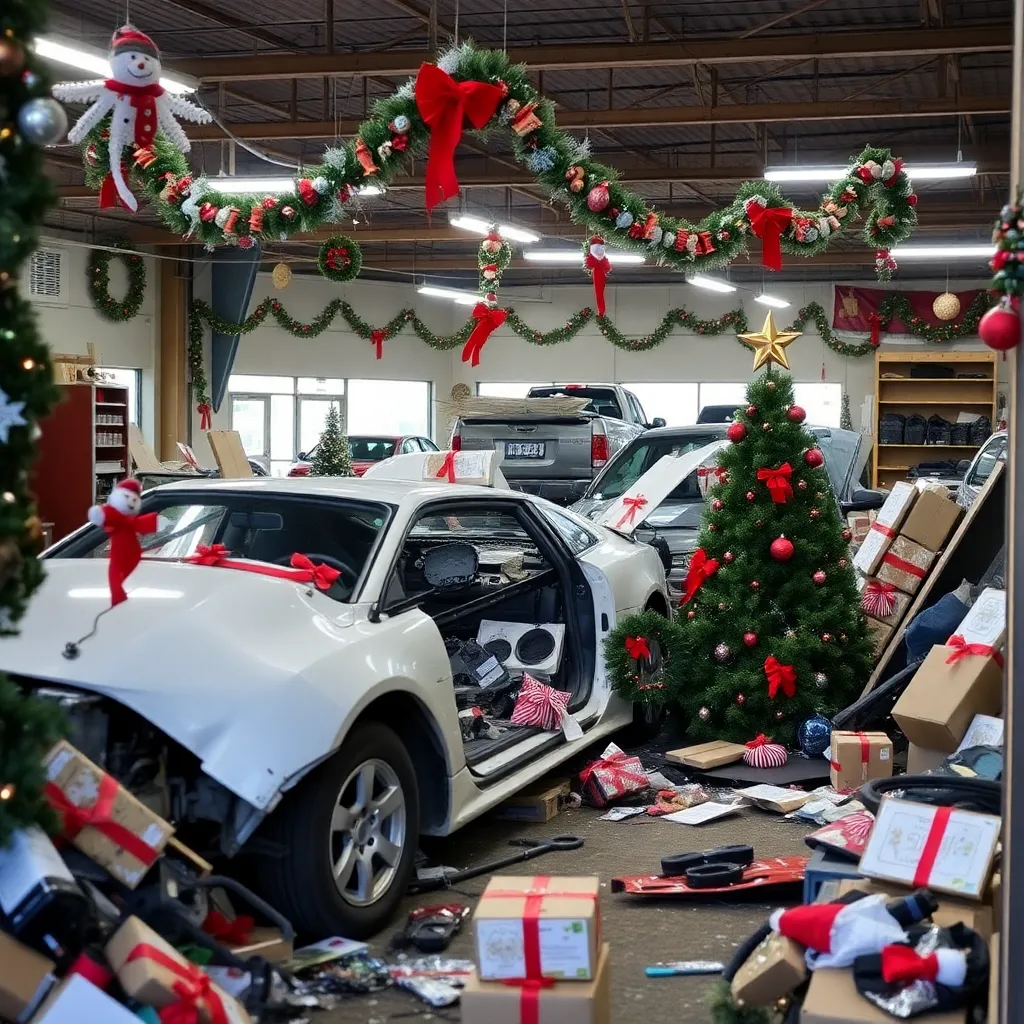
349	575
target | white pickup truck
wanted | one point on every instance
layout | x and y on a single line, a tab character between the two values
550	447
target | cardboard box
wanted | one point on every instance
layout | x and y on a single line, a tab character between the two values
905	830
879	634
859	524
77	1001
80	781
25	978
832	998
931	520
985	621
905	565
993	976
940	703
774	798
569	927
921	759
470	467
565	1002
885	527
268	943
857	757
537	803
984	731
153	983
773	970
875	595
712	754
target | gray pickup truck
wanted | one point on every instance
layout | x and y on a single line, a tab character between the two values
556	455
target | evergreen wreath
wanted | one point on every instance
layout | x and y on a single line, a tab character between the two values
98	273
339	259
636	652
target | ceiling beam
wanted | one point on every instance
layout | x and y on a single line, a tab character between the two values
825	46
235	24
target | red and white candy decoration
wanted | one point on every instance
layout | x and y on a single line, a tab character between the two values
762	753
539	705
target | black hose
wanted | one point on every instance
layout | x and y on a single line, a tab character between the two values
981	795
746	947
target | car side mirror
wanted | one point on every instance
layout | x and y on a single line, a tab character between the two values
657	422
962	466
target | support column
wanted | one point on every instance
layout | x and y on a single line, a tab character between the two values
172	405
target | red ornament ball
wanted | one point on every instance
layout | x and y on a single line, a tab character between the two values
819	577
716	505
826	638
728	557
754	585
691	614
813	457
842	563
795	414
781	549
751	495
802	485
750	639
736	432
740	699
751	410
999	328
814	513
847	535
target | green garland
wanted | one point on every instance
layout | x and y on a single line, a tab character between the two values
875	183
196	366
640	680
339	259
98	274
492	260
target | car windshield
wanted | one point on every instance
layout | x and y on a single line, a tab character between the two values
602	400
637	458
371	449
262	527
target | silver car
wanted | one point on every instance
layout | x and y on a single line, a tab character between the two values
991	452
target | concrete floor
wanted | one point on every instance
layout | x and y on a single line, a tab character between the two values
640	931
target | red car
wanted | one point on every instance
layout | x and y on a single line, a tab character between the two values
366	450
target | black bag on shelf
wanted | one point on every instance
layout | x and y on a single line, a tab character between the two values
916	430
940	431
890	429
981	430
932	371
960	433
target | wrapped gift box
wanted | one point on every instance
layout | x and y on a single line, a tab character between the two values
985	622
942	848
25	978
882	601
712	754
932	518
127	840
78	1001
905	565
469	467
858	757
563	910
878	633
613	775
773	970
921	759
885	527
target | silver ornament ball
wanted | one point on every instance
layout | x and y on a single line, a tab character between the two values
722	652
704	714
820	680
42	121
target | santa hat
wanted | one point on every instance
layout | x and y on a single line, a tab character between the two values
130	484
835	934
904	964
128	37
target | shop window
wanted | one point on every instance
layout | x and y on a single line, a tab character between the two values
394	407
256	384
675	403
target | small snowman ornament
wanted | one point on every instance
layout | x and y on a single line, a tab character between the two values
121	520
137	104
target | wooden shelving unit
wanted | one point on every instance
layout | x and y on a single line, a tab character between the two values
929	396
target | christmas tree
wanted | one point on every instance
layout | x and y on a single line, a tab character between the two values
332	457
772	630
31	119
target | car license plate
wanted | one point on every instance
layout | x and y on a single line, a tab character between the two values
524	449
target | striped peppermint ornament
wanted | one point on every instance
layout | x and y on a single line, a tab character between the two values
762	753
539	705
878	599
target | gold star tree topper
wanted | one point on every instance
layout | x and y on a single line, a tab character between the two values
769	344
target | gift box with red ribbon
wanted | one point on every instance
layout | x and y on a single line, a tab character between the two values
613	775
882	601
905	565
885	527
101	818
857	757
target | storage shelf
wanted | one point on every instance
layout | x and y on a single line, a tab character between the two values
114	405
935	380
893	469
913	402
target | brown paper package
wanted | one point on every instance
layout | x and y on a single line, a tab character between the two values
903	550
25	977
848	753
931	520
775	969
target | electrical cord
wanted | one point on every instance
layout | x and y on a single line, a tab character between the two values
966	794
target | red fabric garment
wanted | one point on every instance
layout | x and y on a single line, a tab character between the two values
125	549
636	648
488	320
444	105
143	99
780	677
768	223
901	963
700	571
961	649
777	482
193	987
599	271
876	323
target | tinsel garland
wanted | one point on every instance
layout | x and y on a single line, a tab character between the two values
874	184
98	275
639	680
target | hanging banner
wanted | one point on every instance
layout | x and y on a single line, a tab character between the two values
855	307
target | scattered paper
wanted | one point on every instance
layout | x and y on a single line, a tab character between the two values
621	813
984	731
659	781
702	813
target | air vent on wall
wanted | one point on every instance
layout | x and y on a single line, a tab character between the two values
46	277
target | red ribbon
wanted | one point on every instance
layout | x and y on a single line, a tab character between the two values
961	648
447	468
209	554
758	741
704	244
904	566
636	648
779	677
193	988
302	569
878	599
876	325
317	573
444	105
700	571
488	320
231	931
865	754
885	531
378	336
632	506
619	767
768	223
901	963
109	196
205	416
599	271
777	482
100	817
932	845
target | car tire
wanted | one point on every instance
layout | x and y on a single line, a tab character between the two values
319	826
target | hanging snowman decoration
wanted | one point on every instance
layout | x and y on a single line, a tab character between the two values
138	105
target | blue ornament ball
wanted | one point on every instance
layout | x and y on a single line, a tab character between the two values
814	735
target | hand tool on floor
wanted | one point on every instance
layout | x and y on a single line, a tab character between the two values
529	848
677	968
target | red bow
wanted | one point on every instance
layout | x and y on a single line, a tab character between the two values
777	482
632	506
758	741
768	223
704	244
323	576
902	963
444	104
232	932
961	648
898	164
878	599
864	173
619	765
193	988
205	415
700	571
488	320
447	468
208	554
109	196
636	648
378	337
779	677
598	269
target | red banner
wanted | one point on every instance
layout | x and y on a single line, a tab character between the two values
854	308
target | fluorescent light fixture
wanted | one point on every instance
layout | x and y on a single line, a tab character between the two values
480	227
948	252
576	256
454	294
86	59
242	183
713	284
917	172
771	300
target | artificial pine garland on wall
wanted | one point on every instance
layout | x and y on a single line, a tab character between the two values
97	273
